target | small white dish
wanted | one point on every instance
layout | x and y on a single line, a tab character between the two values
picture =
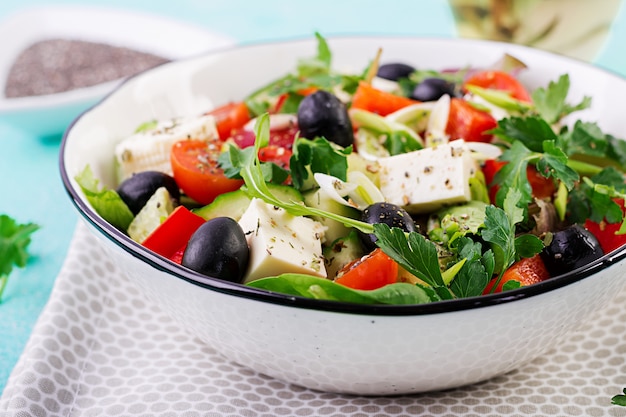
50	114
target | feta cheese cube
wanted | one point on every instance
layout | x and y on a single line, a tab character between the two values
428	179
280	242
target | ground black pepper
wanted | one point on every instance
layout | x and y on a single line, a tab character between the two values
56	65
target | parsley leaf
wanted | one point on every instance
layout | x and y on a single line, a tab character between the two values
318	64
414	253
500	231
317	155
550	101
14	241
589	202
530	131
477	270
619	399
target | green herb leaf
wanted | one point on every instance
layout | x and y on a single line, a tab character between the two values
619	399
500	226
477	270
318	155
530	131
324	289
550	102
553	163
107	203
233	159
318	64
14	241
414	253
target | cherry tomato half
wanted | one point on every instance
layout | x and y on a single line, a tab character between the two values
526	271
500	80
469	123
230	117
372	271
281	137
605	232
194	164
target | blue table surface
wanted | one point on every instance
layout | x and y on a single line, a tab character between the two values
30	186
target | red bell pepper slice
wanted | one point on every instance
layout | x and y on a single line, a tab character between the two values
174	233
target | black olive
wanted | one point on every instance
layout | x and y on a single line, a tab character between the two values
391	215
137	190
394	71
431	89
218	249
569	249
322	114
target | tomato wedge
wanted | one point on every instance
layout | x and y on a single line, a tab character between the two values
370	272
377	101
230	117
526	271
195	169
469	123
500	80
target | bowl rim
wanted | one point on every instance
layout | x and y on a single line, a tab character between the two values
162	264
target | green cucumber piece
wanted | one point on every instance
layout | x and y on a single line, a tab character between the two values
152	214
233	204
341	252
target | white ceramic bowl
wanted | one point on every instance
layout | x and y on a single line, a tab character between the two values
50	114
334	346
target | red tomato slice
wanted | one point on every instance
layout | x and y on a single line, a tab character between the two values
194	164
230	117
542	187
605	232
369	272
174	232
499	80
283	137
467	122
526	271
276	154
377	101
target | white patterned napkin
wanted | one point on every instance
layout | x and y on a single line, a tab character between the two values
101	349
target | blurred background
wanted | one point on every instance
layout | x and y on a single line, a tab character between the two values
30	187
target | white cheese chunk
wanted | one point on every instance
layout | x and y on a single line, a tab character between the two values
149	149
428	179
280	242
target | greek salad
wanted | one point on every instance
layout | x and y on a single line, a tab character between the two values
398	185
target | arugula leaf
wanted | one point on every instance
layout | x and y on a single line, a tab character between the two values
550	101
324	289
107	203
317	155
233	159
14	241
318	64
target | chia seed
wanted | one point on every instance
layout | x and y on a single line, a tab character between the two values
57	65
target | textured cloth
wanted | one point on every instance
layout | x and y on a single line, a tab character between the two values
101	349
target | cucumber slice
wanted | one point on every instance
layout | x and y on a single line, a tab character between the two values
341	252
235	203
153	213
